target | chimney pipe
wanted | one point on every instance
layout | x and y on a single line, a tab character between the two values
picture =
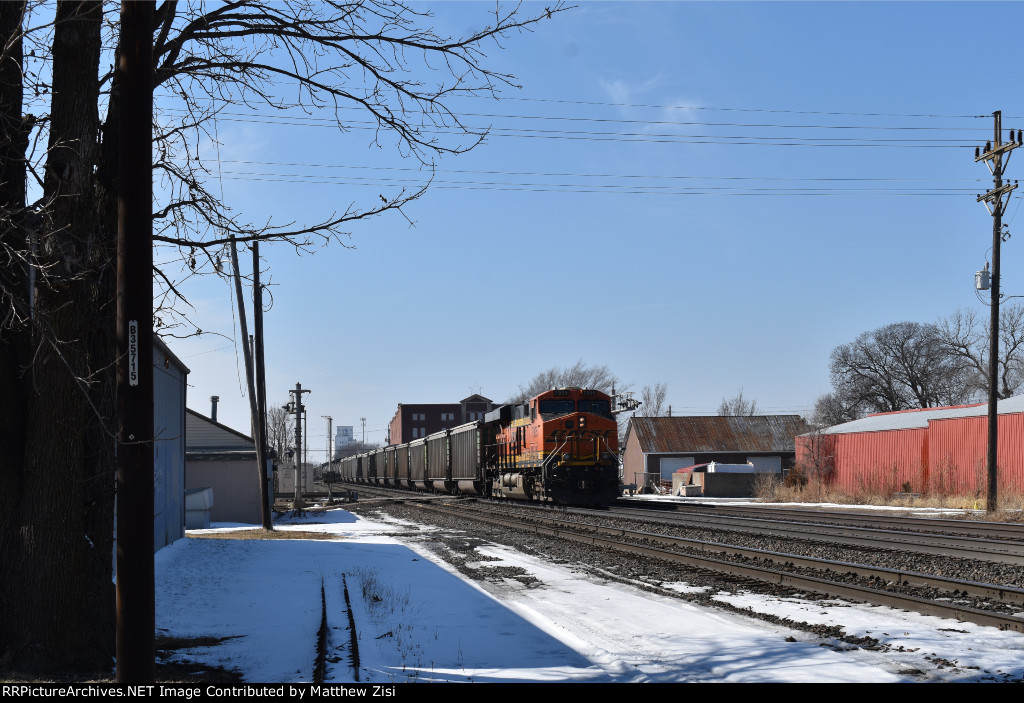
213	407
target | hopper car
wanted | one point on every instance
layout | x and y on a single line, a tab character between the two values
558	447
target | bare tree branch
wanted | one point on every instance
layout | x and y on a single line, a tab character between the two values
738	405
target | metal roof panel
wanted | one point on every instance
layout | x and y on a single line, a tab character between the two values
911	419
718	433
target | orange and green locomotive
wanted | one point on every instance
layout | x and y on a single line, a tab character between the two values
560	446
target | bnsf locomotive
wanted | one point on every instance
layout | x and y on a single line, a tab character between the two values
560	447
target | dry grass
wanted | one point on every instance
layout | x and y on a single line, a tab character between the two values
772	490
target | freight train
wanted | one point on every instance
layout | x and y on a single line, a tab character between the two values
558	447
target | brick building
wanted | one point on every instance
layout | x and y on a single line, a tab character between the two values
415	420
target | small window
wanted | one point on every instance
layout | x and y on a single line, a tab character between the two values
557	407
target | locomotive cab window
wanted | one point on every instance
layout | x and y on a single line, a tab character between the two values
596	407
561	406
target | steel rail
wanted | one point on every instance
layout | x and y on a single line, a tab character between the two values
926	543
990	530
1004	594
818	585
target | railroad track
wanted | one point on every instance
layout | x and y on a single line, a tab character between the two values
971	528
992	605
1003	551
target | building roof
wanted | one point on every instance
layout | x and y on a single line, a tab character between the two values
204	434
717	433
162	347
919	419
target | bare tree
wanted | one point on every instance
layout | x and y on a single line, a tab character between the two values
964	335
652	400
900	366
578	375
57	347
279	429
738	405
817	458
830	409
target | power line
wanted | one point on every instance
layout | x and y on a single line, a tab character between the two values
610	188
566	101
648	137
332	122
381	180
654	106
554	174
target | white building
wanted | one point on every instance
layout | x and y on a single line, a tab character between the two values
343	436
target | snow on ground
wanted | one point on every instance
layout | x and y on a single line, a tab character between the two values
419	620
916	511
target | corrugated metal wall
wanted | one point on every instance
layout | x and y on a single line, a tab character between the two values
390	465
168	449
880	462
418	463
437	459
465	452
403	466
958	451
946	457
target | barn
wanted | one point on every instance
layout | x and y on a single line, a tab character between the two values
933	450
659	446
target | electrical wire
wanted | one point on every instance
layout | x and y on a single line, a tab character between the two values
628	137
711	108
558	174
578	188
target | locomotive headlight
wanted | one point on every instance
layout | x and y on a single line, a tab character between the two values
583	421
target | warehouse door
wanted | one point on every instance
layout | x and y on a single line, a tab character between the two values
669	465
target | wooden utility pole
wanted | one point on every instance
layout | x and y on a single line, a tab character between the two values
136	612
995	156
263	447
250	379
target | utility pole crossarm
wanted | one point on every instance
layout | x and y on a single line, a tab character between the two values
997	151
997	193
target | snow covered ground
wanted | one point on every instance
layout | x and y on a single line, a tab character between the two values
418	619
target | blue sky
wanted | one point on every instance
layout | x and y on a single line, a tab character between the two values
710	195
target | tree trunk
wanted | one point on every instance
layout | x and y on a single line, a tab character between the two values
57	554
14	334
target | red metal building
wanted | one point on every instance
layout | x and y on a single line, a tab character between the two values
934	450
